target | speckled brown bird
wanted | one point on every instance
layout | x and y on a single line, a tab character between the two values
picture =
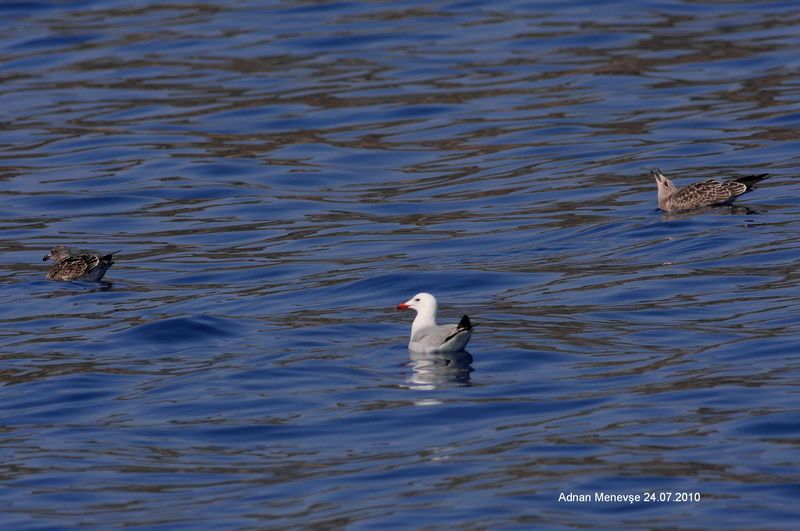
86	266
703	193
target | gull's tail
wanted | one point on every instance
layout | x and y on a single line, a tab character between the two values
464	325
750	180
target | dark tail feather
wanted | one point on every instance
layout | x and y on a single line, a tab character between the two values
463	325
750	180
110	257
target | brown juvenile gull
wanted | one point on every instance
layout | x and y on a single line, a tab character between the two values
701	194
428	337
67	266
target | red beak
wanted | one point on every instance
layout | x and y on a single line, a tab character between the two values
402	307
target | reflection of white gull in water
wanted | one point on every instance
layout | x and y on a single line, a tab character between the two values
435	370
426	335
701	194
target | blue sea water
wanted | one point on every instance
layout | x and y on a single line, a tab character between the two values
278	176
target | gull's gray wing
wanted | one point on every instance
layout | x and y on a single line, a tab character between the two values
434	336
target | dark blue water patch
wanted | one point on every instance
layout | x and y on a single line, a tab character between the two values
134	112
327	7
55	41
65	297
63	392
56	205
366	162
34	63
690	149
245	433
193	190
220	278
272	272
181	330
654	230
236	118
758	263
103	152
26	8
782	489
229	168
762	62
759	158
342	41
783	118
390	289
102	228
416	111
100	181
449	410
779	492
755	351
394	286
773	426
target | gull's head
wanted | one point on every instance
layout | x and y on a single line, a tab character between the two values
420	302
662	182
665	187
57	253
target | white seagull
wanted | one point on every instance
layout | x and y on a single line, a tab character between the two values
428	337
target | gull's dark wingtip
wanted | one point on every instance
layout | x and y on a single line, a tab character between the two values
750	180
464	325
110	256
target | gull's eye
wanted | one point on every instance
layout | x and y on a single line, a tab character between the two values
416	300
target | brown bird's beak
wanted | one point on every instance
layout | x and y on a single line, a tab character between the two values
45	258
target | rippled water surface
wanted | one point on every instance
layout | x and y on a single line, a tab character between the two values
279	175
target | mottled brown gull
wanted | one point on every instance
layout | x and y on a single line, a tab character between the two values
701	194
86	266
426	335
